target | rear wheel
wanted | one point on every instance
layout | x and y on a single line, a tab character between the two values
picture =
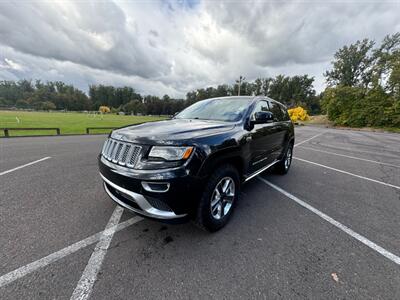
283	166
218	199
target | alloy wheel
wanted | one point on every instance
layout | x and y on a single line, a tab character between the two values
222	198
288	158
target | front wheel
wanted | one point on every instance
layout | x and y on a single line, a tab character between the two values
218	199
283	166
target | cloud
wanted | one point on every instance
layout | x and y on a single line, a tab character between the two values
172	47
10	64
96	35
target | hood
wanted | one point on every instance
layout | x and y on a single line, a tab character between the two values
170	131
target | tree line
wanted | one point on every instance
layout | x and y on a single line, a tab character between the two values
291	91
296	90
42	96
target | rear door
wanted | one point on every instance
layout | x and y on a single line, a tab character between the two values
279	128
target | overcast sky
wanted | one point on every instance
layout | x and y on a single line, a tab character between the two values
172	47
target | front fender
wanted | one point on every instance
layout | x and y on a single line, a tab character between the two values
231	155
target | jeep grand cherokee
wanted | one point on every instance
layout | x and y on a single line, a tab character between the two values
192	166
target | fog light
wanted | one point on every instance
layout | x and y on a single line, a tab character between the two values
155	187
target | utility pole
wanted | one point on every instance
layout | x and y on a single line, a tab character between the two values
241	78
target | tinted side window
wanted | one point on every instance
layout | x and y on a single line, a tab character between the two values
276	111
260	106
285	113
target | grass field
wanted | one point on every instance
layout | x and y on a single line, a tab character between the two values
69	123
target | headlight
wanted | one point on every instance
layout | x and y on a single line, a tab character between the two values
170	153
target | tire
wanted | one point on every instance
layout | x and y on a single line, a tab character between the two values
283	166
218	199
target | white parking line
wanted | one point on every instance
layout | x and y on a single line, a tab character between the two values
382	153
394	258
353	157
348	173
23	166
311	138
43	262
85	285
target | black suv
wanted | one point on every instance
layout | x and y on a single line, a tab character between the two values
192	166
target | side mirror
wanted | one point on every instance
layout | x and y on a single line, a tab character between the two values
263	117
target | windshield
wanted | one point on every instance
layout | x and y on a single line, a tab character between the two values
229	109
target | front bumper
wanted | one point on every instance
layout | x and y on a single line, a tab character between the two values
136	202
125	187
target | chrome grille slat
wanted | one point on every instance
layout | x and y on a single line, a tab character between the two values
110	150
134	156
107	148
117	152
114	151
129	156
121	153
104	146
124	154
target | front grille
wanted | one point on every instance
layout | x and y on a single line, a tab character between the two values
121	153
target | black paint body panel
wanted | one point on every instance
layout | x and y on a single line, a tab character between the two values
249	147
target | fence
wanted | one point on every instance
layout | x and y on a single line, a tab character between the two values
7	130
58	131
99	128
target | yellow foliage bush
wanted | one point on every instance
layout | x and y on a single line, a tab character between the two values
104	109
298	114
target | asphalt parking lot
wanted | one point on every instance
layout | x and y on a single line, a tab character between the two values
330	228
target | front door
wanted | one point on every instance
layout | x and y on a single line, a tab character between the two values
262	140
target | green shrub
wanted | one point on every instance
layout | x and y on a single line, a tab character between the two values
359	107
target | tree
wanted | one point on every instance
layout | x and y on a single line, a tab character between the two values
298	114
104	109
292	91
352	65
222	91
133	106
387	64
261	86
365	84
343	103
45	105
22	104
